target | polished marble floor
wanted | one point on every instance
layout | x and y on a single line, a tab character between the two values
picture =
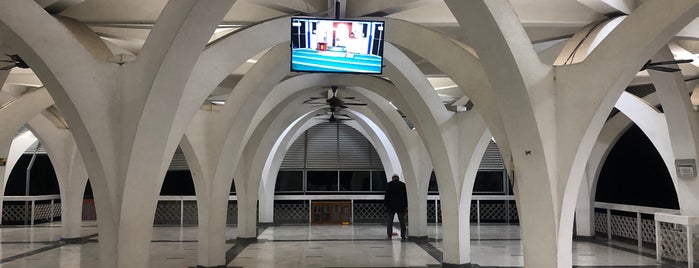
304	246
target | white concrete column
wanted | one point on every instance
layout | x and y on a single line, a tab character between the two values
585	209
70	171
683	131
247	214
72	205
212	230
266	204
113	115
552	116
417	195
456	237
212	206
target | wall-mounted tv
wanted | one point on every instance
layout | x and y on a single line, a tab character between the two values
336	46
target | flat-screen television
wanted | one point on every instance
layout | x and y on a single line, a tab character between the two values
336	46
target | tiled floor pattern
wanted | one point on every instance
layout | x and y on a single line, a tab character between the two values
302	246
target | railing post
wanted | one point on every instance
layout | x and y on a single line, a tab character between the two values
31	219
639	235
658	242
182	211
478	211
609	224
690	247
352	211
310	212
51	211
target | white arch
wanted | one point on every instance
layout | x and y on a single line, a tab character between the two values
13	115
553	116
682	124
70	171
283	142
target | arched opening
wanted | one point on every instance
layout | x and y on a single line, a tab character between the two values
33	169
177	203
330	159
634	174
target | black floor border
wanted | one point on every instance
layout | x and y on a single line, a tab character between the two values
52	245
242	244
425	245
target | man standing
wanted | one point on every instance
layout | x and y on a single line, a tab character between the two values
396	201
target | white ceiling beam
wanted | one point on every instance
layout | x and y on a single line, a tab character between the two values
57	6
611	6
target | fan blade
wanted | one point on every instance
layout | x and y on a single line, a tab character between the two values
316	98
691	79
358	104
349	98
309	102
671	62
7	67
8	61
663	69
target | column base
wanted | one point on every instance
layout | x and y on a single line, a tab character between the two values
217	266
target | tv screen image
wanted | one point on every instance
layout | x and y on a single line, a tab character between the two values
336	46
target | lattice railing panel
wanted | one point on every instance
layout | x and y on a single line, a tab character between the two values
674	241
431	213
13	212
648	230
513	212
496	212
42	211
624	226
232	212
57	210
600	222
167	212
189	212
369	212
291	212
473	209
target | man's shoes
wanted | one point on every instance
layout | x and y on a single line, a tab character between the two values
403	239
389	238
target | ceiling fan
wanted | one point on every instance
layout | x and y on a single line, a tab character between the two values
16	62
334	117
658	65
334	102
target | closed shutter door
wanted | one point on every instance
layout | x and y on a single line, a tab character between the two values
293	159
354	149
179	162
492	160
322	147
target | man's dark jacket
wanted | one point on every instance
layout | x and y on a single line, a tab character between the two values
396	199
